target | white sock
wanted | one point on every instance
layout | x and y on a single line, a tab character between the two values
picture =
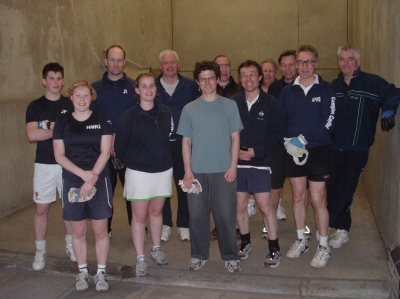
83	268
140	257
101	268
68	240
155	247
301	234
252	201
41	245
323	241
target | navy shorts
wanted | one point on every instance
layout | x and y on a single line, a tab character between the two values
277	167
316	168
98	208
253	180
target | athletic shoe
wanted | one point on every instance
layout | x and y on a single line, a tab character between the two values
297	249
321	257
40	260
110	234
233	266
196	264
184	234
70	252
213	234
317	235
158	256
251	208
307	232
264	233
280	212
243	250
100	279
141	267
82	281
166	231
338	238
273	259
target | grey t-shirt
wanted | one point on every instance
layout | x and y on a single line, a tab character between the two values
209	125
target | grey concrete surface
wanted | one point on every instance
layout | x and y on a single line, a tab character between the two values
357	270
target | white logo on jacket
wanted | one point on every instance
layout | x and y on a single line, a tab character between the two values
316	100
125	91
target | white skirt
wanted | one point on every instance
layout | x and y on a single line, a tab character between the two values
144	186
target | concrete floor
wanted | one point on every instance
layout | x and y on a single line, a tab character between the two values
357	270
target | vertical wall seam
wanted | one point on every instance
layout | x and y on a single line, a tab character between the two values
172	24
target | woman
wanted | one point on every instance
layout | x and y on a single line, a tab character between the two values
82	143
142	143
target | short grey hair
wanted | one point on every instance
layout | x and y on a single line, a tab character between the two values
357	52
167	52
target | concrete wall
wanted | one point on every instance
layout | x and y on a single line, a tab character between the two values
73	33
257	29
373	28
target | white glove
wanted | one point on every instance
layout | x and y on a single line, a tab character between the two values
196	187
43	124
74	195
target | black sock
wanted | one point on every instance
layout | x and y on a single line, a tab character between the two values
245	238
273	245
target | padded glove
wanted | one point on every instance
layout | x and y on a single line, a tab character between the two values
387	123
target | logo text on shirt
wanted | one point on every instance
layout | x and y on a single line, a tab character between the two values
93	127
125	91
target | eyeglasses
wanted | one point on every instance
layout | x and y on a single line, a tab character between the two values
209	79
307	62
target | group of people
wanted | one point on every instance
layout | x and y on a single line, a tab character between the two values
237	141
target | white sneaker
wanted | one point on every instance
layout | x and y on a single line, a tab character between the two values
40	260
280	212
166	231
101	282
82	281
338	238
321	257
297	249
251	208
70	252
184	234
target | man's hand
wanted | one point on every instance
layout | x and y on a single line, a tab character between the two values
387	123
187	179
230	174
246	155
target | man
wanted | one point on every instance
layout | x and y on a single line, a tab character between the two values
115	95
270	73
41	115
210	128
227	86
287	65
263	129
308	108
175	91
360	96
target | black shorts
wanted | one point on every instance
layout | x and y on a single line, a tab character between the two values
277	167
98	208
316	168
